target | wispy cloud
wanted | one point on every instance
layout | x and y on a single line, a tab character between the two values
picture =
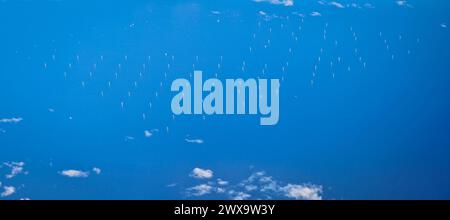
216	12
74	173
403	3
129	138
332	3
194	141
278	2
315	14
237	195
172	185
16	169
11	120
222	182
200	190
266	16
336	4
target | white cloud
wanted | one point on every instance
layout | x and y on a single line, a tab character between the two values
148	133
200	190
201	173
216	12
220	190
16	169
354	5
240	196
8	190
258	185
222	182
74	173
129	138
403	3
96	170
266	16
333	3
336	4
172	185
278	2
298	14
315	14
268	186
11	120
194	141
305	192
250	187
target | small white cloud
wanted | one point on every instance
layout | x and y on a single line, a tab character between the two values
172	185
215	12
200	173
368	5
96	170
11	120
306	192
222	182
298	14
332	3
7	191
74	173
336	4
241	196
267	187
250	187
220	190
194	141
200	190
148	133
443	25
129	138
16	169
278	2
315	14
403	3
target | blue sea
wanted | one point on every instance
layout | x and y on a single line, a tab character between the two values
85	99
